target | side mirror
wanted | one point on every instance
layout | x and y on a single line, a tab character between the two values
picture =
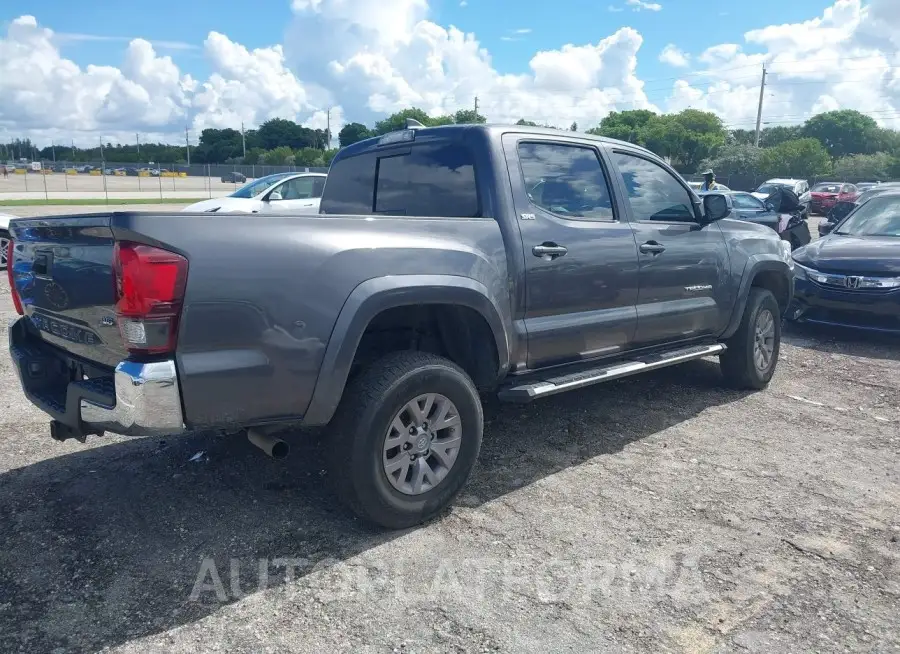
770	206
826	227
274	195
716	206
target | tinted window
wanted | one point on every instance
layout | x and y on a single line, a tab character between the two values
826	188
426	180
565	180
748	202
432	180
653	192
318	186
351	186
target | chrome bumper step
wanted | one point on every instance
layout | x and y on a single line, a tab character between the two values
535	389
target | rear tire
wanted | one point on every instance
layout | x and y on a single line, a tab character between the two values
379	481
4	248
752	354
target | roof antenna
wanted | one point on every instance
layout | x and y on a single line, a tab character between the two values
412	123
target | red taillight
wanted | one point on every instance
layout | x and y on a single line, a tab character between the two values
149	290
17	302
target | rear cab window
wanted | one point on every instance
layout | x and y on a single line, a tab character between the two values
435	178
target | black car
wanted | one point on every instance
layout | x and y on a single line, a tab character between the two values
131	172
851	277
234	178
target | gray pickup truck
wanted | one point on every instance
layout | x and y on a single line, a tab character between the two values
444	262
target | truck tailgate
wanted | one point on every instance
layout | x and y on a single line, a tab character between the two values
63	272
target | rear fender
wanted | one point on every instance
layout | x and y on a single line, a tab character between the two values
376	295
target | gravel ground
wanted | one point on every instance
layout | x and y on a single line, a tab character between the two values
657	513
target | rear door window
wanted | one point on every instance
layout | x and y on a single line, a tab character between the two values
434	180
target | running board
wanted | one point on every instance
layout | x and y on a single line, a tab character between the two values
552	385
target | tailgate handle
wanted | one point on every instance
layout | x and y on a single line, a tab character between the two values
41	264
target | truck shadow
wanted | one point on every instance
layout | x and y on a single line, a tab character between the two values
837	340
104	546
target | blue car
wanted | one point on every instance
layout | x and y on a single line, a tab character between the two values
851	276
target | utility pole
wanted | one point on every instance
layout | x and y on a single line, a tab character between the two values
102	158
53	148
476	105
137	138
243	141
187	145
762	89
328	129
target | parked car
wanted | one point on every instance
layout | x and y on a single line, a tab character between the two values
4	238
429	276
826	194
794	229
865	186
697	186
155	172
800	188
233	178
295	192
851	276
843	208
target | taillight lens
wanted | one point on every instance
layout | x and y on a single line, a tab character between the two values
150	291
17	302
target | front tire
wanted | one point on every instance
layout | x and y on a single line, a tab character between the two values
752	354
404	438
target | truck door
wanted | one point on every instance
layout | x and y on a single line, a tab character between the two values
684	269
580	255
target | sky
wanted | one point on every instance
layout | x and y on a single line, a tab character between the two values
101	69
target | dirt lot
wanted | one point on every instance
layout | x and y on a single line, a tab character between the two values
659	513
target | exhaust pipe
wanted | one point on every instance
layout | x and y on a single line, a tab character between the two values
274	447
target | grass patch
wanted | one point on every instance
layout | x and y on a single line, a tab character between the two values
96	201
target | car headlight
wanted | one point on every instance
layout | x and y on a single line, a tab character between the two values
785	248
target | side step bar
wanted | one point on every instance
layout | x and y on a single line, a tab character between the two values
552	385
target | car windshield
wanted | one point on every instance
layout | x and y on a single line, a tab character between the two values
768	189
257	186
827	188
880	216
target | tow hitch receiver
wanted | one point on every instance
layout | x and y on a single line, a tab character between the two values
60	432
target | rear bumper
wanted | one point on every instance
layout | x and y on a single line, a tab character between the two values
134	399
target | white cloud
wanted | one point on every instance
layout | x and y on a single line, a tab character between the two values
640	5
674	56
76	37
338	54
845	58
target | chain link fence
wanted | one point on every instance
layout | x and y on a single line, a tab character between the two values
126	180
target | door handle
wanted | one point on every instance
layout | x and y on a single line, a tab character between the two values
652	247
549	250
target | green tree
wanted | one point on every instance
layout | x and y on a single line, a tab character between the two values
309	157
704	134
771	136
398	120
352	133
802	158
468	117
279	132
279	156
865	167
573	127
526	123
735	160
842	132
664	136
624	125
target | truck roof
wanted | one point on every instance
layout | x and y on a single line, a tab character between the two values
493	131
